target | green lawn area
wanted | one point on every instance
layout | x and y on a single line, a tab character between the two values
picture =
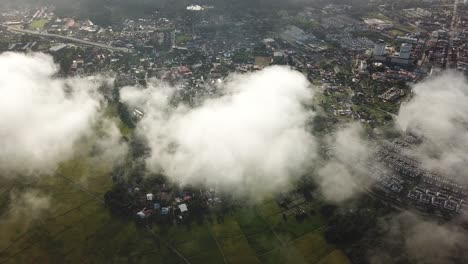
395	32
38	24
262	61
403	27
183	38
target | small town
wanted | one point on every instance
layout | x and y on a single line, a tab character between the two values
363	60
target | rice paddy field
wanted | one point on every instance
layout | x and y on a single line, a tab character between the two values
76	227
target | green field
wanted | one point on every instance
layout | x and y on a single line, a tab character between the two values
77	228
38	24
183	38
112	114
395	32
262	61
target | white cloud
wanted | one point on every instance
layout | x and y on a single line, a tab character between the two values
42	116
341	178
438	112
253	139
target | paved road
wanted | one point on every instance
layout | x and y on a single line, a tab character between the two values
394	116
454	15
72	39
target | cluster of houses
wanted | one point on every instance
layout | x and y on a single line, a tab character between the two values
443	183
388	180
433	189
158	206
392	183
166	205
437	199
394	76
399	163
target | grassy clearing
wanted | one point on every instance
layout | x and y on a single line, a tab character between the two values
38	24
395	32
262	61
183	38
335	257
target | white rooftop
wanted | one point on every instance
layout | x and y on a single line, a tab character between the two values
183	208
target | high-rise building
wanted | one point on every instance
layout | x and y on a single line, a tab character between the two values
379	48
405	51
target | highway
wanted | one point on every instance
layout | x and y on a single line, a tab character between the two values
71	39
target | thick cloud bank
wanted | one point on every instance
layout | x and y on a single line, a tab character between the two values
253	139
41	116
439	113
